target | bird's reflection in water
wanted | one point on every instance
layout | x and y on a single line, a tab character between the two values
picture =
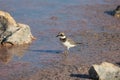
7	53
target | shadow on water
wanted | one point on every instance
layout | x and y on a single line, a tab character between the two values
111	13
48	51
7	53
81	76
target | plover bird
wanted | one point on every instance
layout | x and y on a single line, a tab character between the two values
67	42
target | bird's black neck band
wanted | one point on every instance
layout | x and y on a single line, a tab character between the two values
63	39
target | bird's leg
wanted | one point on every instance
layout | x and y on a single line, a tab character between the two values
66	52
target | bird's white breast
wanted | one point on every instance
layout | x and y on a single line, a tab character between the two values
67	44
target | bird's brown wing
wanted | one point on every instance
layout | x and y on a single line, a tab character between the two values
71	41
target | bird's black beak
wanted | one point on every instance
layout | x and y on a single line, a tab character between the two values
57	35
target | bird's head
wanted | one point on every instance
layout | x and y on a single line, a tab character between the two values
61	35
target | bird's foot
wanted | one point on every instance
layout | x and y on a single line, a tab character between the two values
66	53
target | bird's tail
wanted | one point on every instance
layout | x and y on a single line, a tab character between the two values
79	43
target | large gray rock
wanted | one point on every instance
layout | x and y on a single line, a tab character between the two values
105	71
21	36
13	33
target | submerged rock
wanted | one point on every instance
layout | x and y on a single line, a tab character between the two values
117	12
13	33
105	71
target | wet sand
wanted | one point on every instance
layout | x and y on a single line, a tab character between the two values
87	21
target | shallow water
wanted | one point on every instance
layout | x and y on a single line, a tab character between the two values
46	18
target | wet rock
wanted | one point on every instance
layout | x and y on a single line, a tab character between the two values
9	18
12	32
105	71
117	12
21	36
